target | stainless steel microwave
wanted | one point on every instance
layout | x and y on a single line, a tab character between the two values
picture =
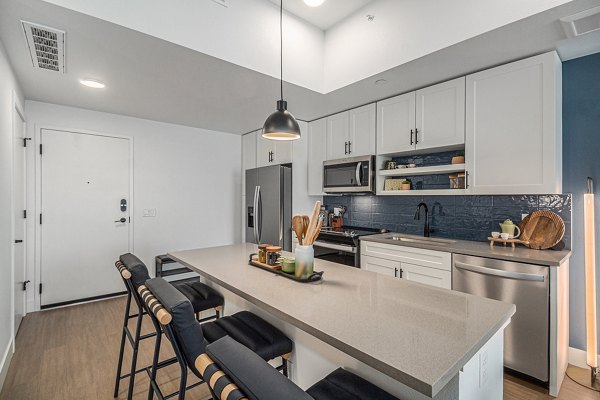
350	175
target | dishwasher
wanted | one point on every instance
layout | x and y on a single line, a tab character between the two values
526	338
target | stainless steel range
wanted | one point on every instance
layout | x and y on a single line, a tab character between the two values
341	245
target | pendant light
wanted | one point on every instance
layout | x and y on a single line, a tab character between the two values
281	125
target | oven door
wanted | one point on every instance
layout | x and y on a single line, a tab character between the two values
336	252
352	175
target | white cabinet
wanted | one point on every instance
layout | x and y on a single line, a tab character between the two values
396	124
361	133
317	145
430	118
249	150
441	115
337	136
272	152
418	265
351	133
380	265
513	128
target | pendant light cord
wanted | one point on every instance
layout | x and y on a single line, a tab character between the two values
281	46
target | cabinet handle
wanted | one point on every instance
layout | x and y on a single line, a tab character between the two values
349	147
401	272
411	137
416	135
396	272
345	147
466	179
269	156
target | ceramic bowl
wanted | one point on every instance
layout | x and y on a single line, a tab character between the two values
495	235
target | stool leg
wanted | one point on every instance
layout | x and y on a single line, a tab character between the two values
122	347
154	364
136	345
284	364
183	381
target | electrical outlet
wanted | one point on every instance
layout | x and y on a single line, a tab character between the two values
224	3
149	212
483	368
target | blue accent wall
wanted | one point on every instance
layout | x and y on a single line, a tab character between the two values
581	158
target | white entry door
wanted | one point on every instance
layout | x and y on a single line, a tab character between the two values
85	210
19	206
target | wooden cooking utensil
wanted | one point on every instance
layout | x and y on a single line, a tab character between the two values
305	223
298	227
316	232
312	225
542	229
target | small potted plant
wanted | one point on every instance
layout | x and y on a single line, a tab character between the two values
459	158
406	184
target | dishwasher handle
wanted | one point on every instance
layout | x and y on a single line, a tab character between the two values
520	276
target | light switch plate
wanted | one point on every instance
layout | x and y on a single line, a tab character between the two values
149	212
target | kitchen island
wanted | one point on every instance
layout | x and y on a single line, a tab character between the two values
413	340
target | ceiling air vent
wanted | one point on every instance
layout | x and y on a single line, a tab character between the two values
583	22
46	46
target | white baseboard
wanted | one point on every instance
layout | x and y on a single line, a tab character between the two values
6	357
578	357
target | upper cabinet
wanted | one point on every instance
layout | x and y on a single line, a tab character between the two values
351	133
513	128
441	115
249	150
317	145
430	118
272	152
396	124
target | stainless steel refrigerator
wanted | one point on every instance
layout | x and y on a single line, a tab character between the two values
269	206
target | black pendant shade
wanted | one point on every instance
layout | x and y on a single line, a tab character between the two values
281	125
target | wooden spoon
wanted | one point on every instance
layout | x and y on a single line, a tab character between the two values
314	217
316	233
298	227
305	223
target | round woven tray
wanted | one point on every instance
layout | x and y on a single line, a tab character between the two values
542	229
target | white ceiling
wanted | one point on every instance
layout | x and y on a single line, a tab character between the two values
154	79
327	14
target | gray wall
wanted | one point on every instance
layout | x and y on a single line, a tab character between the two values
581	158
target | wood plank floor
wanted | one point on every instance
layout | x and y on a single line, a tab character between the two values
71	353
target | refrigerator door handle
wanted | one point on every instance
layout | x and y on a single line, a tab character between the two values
259	215
255	204
520	276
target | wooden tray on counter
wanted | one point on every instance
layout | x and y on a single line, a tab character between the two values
507	241
276	269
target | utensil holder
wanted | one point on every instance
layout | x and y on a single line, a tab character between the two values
305	260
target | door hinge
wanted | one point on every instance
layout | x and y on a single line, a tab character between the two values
25	141
24	214
40	288
40	149
40	218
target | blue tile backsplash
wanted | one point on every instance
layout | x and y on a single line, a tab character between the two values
455	217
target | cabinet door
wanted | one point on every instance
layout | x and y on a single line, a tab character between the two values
379	265
441	115
426	275
317	145
395	122
249	150
264	147
282	151
361	133
337	136
513	128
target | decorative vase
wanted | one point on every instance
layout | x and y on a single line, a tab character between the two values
305	260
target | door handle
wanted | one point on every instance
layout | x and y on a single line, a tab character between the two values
358	174
345	147
416	135
349	147
411	137
25	285
520	276
122	220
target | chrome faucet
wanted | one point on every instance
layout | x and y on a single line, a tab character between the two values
418	217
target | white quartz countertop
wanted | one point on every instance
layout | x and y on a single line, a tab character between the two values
417	334
480	249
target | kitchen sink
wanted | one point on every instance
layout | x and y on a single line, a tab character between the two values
423	240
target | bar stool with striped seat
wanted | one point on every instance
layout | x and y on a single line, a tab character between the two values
234	373
188	338
134	274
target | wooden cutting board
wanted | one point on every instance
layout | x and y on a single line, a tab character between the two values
542	230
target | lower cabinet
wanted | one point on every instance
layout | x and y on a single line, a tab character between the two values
418	265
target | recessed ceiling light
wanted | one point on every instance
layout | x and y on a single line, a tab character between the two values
380	82
92	83
313	3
